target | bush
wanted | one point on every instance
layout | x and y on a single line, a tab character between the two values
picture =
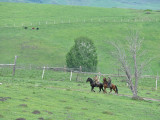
149	10
83	54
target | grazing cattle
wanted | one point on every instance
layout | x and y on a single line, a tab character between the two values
33	28
37	28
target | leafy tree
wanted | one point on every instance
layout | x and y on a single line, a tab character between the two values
83	54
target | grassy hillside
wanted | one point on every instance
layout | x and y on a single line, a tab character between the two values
137	4
60	25
56	98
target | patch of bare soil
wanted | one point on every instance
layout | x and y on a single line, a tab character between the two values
41	118
23	105
36	112
107	112
4	98
20	119
1	116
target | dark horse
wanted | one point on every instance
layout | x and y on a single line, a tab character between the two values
111	86
93	84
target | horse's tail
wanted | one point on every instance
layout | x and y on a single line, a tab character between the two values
116	89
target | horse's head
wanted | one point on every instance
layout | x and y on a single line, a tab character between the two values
89	80
104	79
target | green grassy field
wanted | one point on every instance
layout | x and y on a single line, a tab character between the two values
56	98
50	44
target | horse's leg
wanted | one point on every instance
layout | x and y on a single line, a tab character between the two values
92	89
99	89
102	89
105	90
114	88
111	89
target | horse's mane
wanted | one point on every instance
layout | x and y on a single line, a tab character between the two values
105	80
90	79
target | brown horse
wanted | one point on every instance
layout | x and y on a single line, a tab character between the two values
111	86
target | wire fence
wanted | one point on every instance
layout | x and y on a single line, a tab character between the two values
70	74
78	21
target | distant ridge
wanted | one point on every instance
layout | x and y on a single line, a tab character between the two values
135	4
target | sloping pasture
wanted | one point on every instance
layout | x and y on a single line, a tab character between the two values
27	96
60	25
58	98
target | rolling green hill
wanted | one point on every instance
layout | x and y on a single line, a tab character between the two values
137	4
60	25
27	96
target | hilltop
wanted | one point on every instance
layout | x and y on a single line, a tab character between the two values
136	4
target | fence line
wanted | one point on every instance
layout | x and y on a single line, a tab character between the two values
117	75
74	70
6	64
90	20
14	65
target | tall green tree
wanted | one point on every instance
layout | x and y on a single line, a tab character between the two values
83	54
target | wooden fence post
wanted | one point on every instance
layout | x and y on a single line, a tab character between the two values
80	68
156	81
14	66
43	72
71	76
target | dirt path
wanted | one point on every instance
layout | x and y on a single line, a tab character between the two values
144	98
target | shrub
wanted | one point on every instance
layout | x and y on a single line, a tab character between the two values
83	54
